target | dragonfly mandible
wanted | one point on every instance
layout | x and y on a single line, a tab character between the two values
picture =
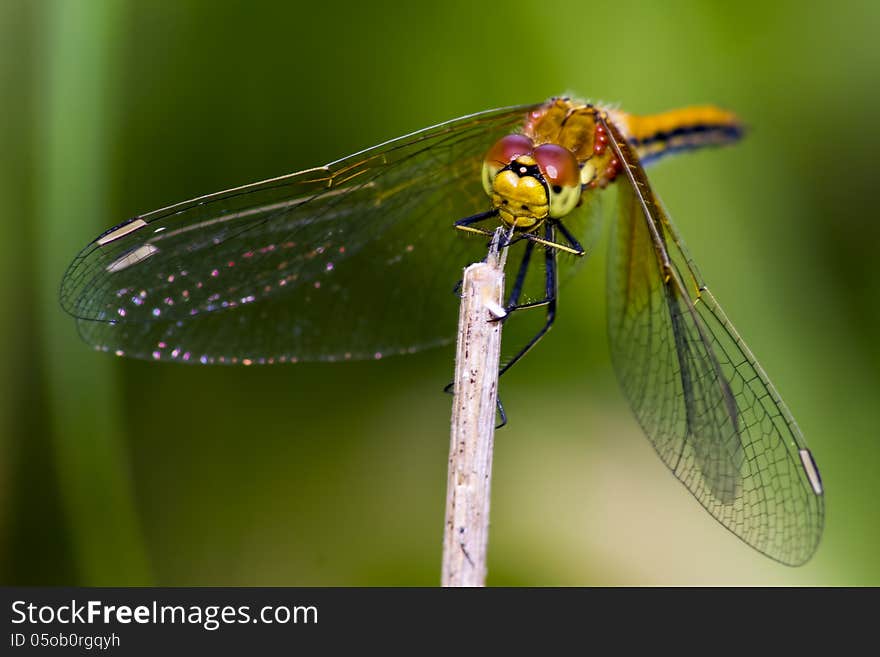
286	270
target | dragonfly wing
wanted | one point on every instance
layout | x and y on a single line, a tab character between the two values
585	225
704	402
669	372
356	259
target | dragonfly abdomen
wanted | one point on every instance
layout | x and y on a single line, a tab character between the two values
657	135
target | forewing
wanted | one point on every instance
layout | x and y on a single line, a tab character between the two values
585	225
357	259
704	402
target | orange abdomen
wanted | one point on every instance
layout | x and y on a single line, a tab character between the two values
656	135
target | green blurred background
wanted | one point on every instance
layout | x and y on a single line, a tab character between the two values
115	472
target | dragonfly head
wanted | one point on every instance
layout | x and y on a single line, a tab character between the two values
529	183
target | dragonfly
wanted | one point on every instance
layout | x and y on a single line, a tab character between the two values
355	259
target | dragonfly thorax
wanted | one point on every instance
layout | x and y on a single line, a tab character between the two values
527	184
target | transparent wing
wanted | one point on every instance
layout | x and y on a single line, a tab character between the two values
357	259
585	224
701	397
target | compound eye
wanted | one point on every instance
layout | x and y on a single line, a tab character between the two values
558	165
507	149
563	175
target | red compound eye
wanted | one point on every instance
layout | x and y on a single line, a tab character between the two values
507	149
558	165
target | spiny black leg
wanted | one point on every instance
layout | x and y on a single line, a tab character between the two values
520	276
570	238
513	303
466	223
550	285
574	249
502	415
457	289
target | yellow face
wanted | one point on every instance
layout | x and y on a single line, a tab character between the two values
519	196
527	184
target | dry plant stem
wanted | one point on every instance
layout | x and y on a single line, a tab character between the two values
478	353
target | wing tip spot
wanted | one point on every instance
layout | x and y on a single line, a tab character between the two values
812	472
121	231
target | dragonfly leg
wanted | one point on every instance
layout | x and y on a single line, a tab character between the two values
574	247
513	301
457	289
516	292
570	238
502	416
466	224
550	288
